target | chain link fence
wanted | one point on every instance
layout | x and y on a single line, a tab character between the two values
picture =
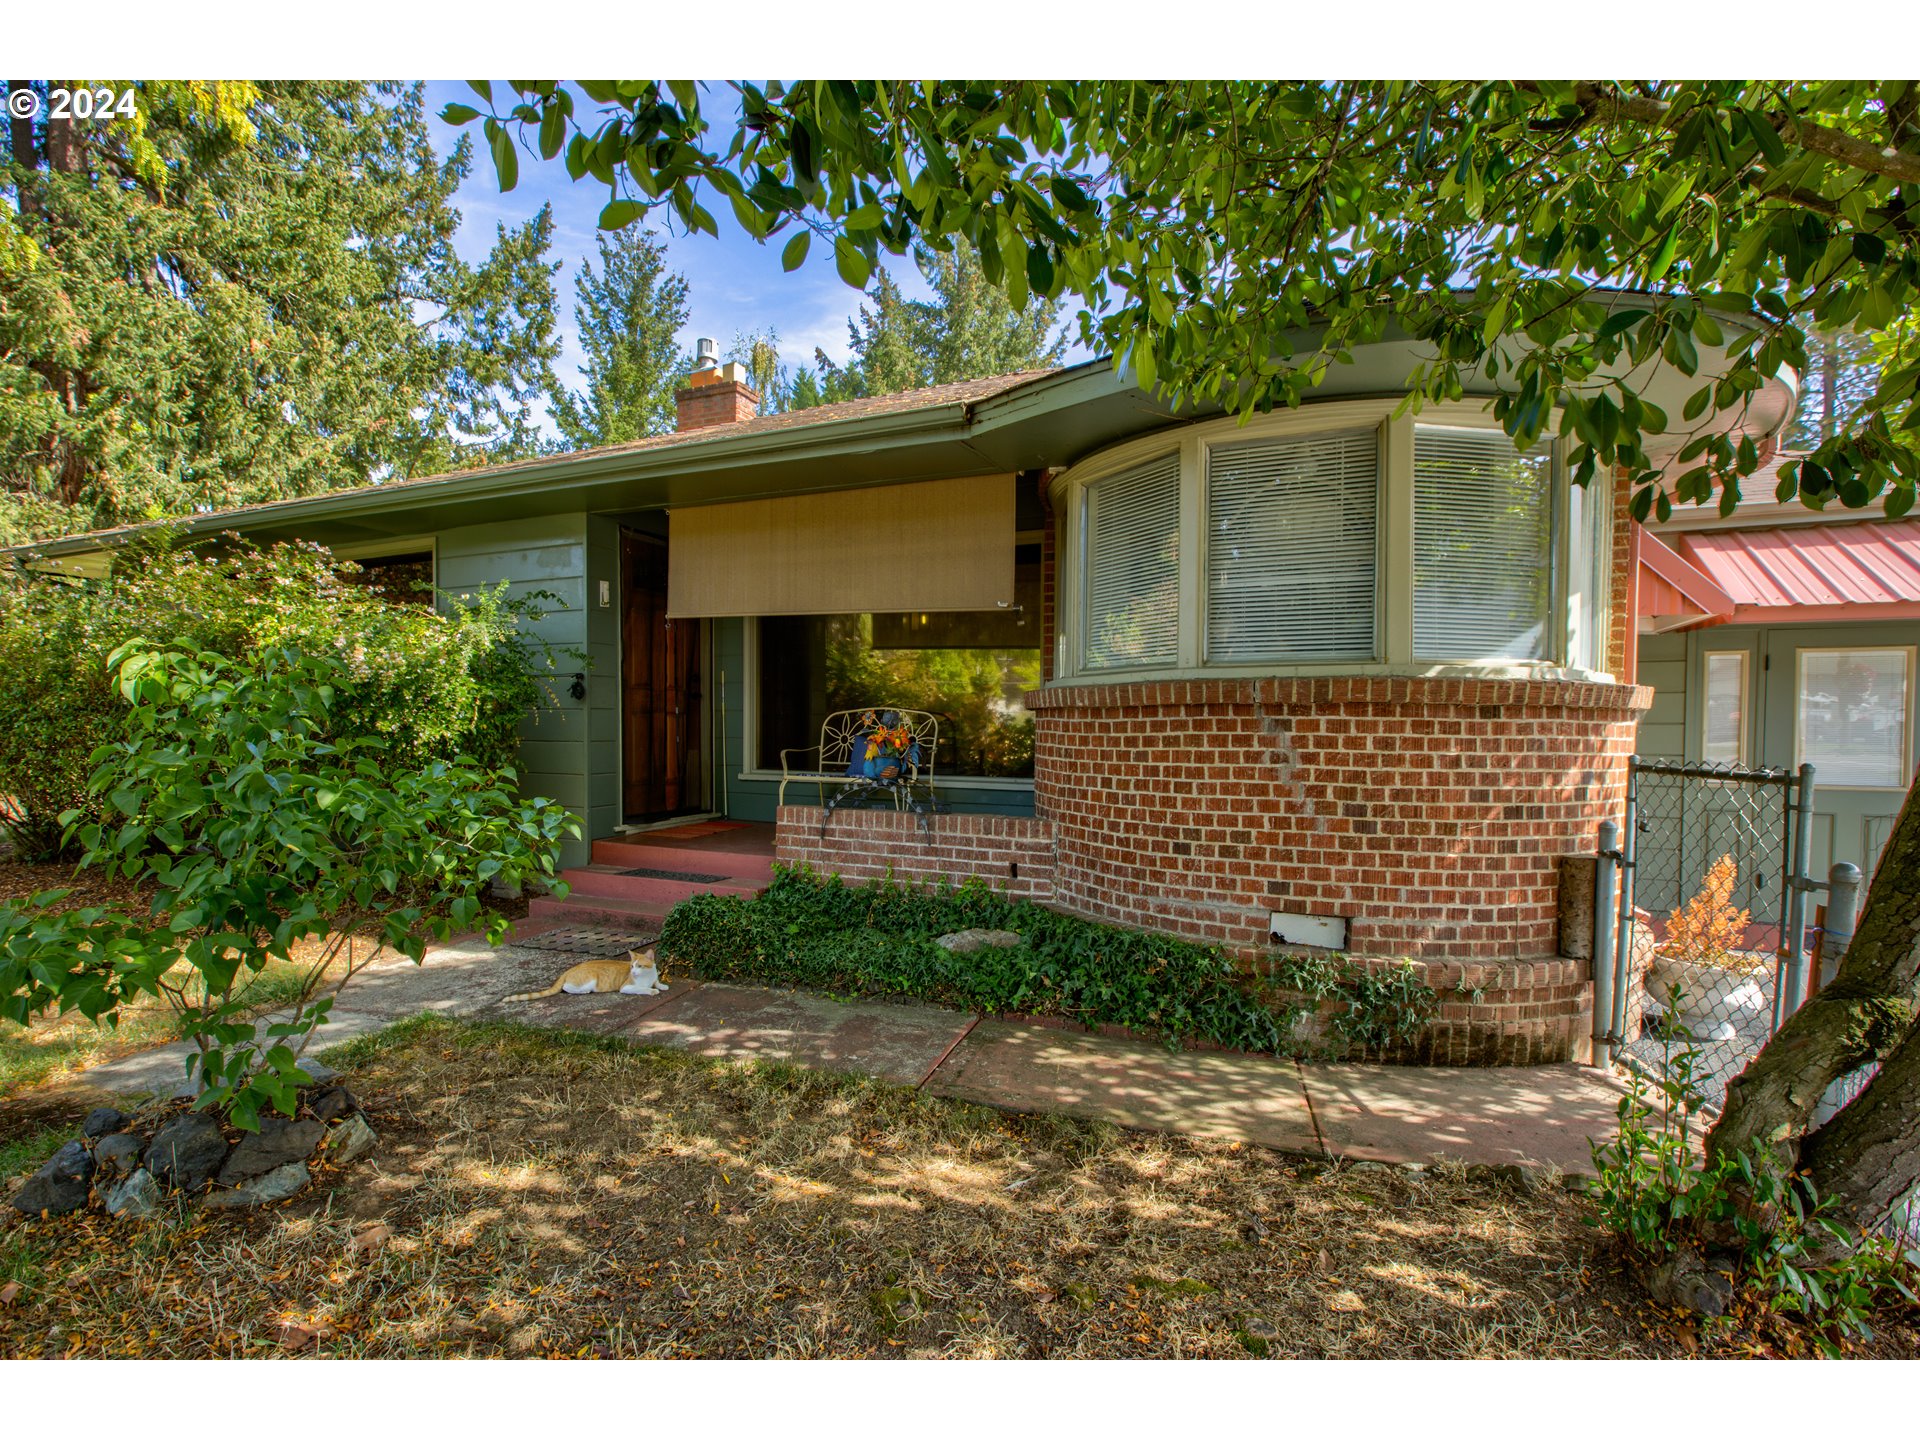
1714	857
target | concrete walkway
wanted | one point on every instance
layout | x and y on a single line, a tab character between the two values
1399	1115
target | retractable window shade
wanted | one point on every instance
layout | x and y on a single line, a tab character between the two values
1133	567
929	545
1291	539
1483	551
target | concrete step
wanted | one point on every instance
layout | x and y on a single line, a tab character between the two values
748	866
611	884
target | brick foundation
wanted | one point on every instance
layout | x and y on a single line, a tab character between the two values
1431	815
1010	852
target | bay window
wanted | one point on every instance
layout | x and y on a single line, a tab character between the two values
1338	538
1133	537
1291	536
1482	546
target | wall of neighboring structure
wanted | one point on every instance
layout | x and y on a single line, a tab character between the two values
546	554
1850	823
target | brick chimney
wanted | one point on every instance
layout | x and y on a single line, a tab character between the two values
714	394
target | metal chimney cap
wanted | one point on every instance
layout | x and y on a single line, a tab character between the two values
706	354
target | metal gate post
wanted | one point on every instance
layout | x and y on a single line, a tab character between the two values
1791	987
1623	932
1843	913
1605	961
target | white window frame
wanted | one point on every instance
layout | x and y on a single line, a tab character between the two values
1906	653
1205	556
1393	607
1744	745
1559	543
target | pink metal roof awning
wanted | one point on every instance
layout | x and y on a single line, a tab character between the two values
1861	571
1674	594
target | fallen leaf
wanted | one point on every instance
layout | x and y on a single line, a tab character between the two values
9	1292
369	1238
296	1336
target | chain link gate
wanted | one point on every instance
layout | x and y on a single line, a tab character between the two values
1712	862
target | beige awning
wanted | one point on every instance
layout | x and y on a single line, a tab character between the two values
929	545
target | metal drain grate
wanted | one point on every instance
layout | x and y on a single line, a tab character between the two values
588	940
689	877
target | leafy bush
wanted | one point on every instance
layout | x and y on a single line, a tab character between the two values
1371	1008
1709	929
259	828
1655	1192
878	939
431	685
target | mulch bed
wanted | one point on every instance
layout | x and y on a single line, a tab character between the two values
541	1193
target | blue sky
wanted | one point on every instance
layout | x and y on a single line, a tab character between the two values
734	284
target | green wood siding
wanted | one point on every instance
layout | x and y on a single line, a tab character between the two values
546	553
603	676
1663	665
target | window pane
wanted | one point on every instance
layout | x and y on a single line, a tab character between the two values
971	670
405	578
1853	716
1725	741
1290	549
1589	573
1133	568
1483	563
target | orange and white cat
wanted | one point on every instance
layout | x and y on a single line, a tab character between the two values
638	974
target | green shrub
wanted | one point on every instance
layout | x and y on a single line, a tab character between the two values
878	939
257	830
1367	1008
1654	1191
431	685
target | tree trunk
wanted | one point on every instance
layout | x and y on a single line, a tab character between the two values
1861	1016
20	133
1867	1157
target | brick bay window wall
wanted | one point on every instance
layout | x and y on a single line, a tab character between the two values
1342	665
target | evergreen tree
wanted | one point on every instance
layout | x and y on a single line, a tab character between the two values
249	293
1843	372
629	314
969	330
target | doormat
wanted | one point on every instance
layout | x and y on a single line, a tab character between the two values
588	940
689	877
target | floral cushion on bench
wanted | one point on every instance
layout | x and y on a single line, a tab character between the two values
883	748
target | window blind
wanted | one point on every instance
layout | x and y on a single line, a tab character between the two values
1133	567
926	545
1290	548
1482	546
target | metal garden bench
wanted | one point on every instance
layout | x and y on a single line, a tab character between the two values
840	761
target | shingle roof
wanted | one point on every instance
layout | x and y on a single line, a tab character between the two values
960	392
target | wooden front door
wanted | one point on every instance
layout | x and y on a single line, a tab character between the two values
660	689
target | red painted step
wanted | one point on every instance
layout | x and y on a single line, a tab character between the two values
751	867
666	893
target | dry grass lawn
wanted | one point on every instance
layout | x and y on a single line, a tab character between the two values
53	1047
544	1193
